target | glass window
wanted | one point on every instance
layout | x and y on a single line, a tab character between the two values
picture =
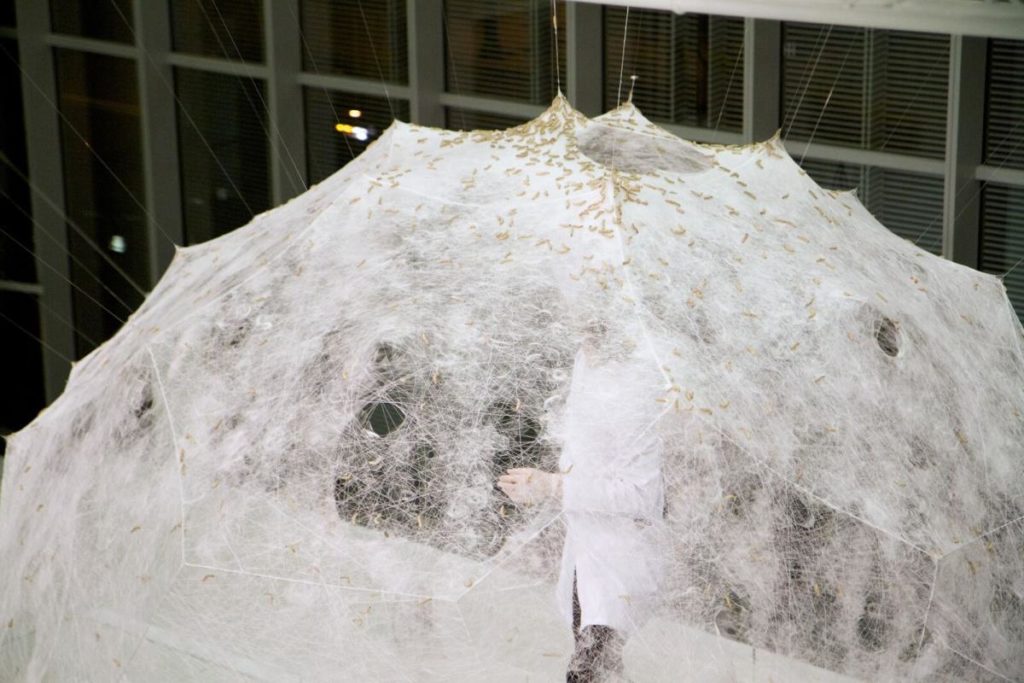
22	361
835	175
466	119
107	20
16	260
356	38
7	13
819	64
1004	118
882	90
1002	238
339	126
503	49
909	204
230	29
689	67
222	140
104	191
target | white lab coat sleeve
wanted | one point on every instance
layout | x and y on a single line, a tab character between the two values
610	494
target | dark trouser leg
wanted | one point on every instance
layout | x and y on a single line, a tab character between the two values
598	648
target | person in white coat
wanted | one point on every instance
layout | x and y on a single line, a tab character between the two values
611	492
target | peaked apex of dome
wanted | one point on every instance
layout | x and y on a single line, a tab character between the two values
561	108
562	115
560	111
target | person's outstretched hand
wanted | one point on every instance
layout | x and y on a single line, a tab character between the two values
529	486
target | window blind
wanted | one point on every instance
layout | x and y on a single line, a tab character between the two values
503	49
725	73
356	38
465	119
1002	238
1004	120
872	89
222	143
909	204
229	29
689	67
340	125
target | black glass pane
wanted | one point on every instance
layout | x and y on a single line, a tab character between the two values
1004	130
104	191
22	361
504	49
689	67
16	260
231	29
222	138
1002	238
7	13
466	119
725	74
355	38
103	19
834	175
866	88
910	84
909	204
339	126
823	75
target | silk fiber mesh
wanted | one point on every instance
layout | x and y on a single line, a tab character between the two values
283	466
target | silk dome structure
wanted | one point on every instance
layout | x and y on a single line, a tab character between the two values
283	466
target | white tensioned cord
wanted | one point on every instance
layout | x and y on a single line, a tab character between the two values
622	60
824	106
557	65
807	84
981	186
373	49
264	123
316	70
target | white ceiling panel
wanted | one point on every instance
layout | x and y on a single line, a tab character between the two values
994	18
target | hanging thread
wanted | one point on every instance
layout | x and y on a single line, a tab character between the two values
558	61
622	61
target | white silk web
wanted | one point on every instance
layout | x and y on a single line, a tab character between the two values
283	466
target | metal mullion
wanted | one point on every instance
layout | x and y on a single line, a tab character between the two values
673	22
1000	175
528	111
160	159
995	18
285	121
866	157
584	45
361	86
533	49
42	140
21	287
867	90
82	44
217	65
961	215
762	81
492	105
698	134
425	35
